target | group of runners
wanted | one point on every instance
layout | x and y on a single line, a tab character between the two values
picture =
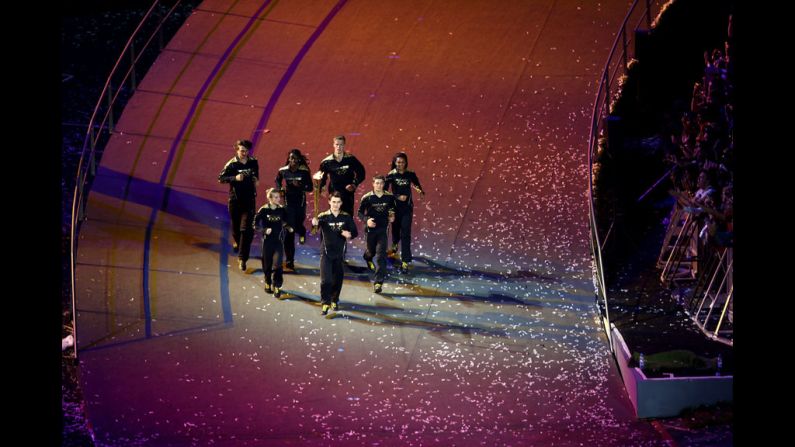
281	219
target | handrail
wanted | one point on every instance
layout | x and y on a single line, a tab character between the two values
88	157
609	87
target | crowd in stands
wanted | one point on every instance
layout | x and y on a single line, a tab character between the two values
702	150
702	175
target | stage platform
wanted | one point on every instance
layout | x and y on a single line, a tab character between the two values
492	338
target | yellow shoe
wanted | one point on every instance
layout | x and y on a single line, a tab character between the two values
325	310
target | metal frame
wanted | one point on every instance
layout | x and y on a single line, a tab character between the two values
87	166
702	306
608	91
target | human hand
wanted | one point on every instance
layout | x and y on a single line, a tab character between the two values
346	234
351	187
371	222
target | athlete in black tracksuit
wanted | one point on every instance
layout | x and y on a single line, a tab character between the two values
344	173
297	181
336	229
400	179
271	219
377	210
242	174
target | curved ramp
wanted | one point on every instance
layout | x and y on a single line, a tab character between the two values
491	340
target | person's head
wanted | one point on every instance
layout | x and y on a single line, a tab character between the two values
295	159
339	145
378	183
243	147
335	201
704	179
400	161
274	196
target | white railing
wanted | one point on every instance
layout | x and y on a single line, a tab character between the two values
122	76
639	17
